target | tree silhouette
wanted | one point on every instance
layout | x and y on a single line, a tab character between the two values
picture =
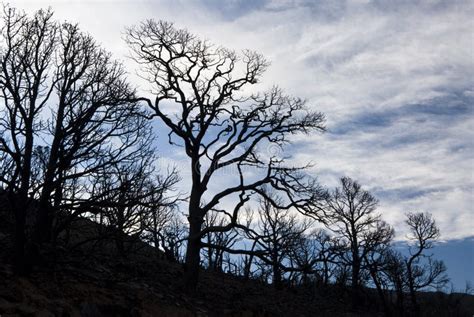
277	235
219	127
315	254
217	242
66	114
26	54
130	195
421	274
351	215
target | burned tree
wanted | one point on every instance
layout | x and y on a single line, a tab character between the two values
352	216
66	114
315	255
422	270
128	196
218	126
217	242
277	235
27	48
93	125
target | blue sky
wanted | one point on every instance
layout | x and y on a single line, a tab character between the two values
395	80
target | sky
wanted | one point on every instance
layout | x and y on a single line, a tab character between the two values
395	80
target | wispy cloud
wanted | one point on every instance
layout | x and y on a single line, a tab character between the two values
395	80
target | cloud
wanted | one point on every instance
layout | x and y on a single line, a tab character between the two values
394	79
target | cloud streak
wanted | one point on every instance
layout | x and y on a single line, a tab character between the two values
395	81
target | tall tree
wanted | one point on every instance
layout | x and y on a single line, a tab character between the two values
93	125
66	114
198	95
26	51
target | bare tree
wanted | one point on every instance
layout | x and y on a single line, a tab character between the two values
27	47
352	215
422	270
380	261
218	242
130	194
315	255
395	272
164	228
173	238
66	114
218	126
93	125
277	234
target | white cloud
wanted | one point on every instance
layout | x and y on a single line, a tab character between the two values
349	60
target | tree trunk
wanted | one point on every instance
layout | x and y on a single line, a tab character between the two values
411	286
276	271
195	219
380	291
276	276
20	204
414	302
355	282
248	265
325	273
193	249
400	297
20	266
43	224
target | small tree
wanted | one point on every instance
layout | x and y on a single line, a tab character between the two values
218	242
128	196
422	270
164	228
395	271
219	127
352	216
315	255
277	235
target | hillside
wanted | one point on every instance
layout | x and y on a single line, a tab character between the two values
85	283
91	280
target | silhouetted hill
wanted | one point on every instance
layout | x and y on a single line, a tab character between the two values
90	279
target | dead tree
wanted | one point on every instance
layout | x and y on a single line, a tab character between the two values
276	235
129	195
219	127
27	48
217	242
378	260
352	216
66	104
93	125
422	270
315	255
164	228
172	238
394	271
